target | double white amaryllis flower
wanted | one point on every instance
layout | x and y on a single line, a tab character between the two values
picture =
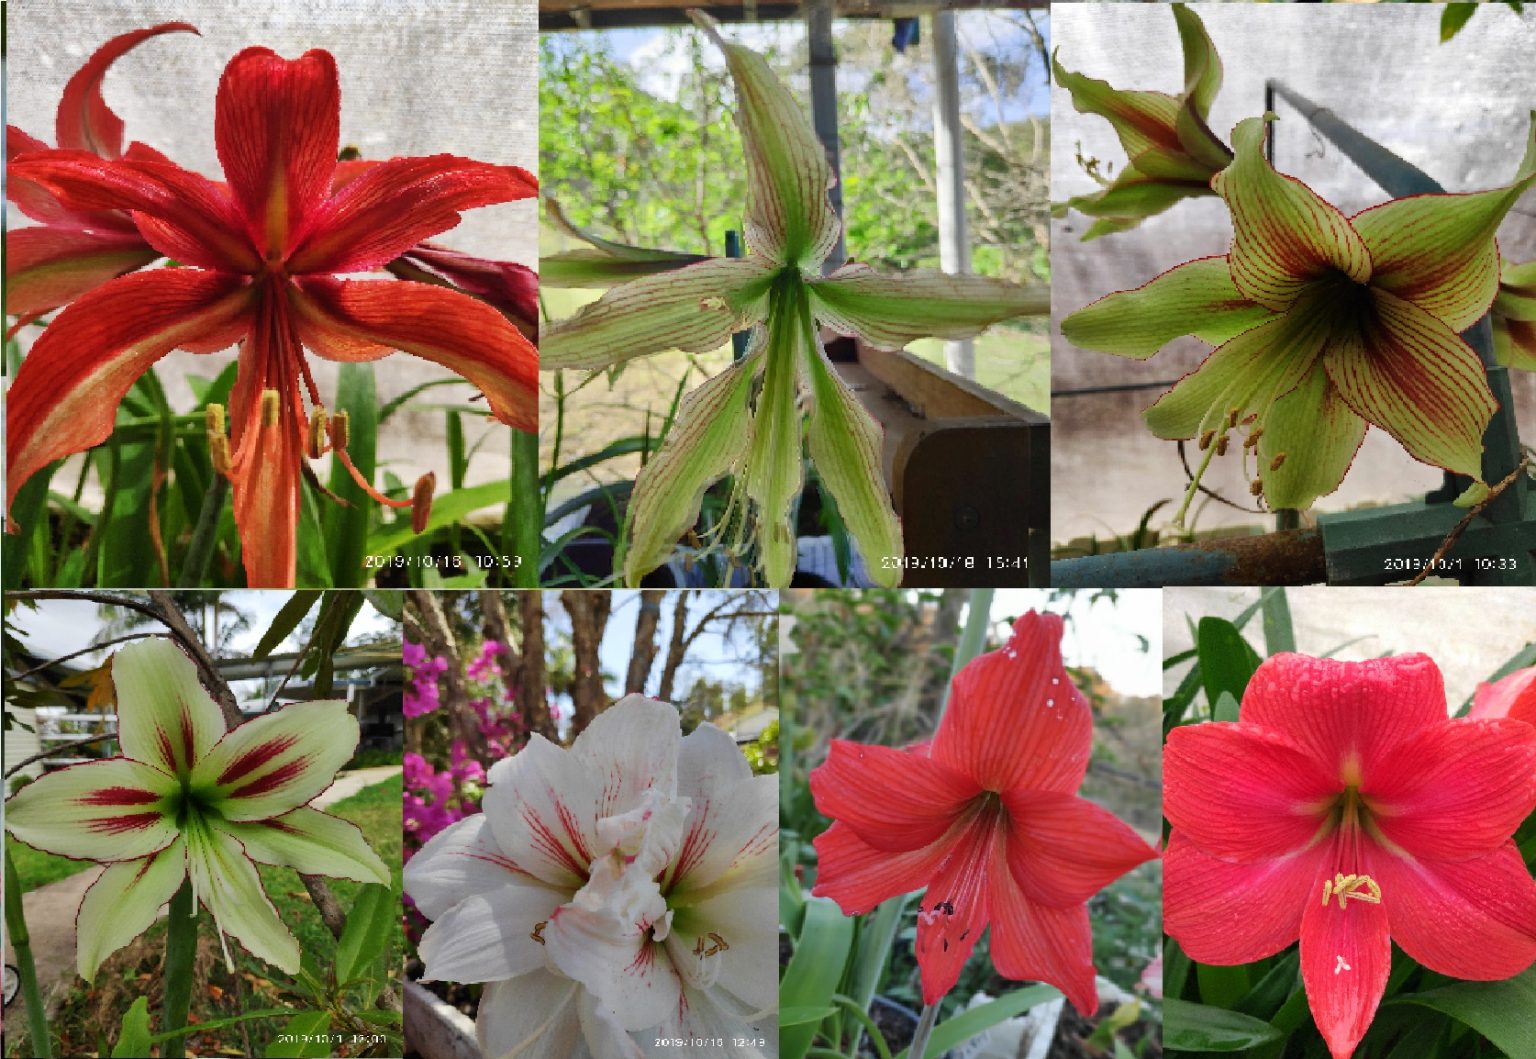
614	896
189	800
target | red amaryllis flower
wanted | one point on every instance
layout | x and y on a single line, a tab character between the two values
1513	696
1344	807
262	258
987	818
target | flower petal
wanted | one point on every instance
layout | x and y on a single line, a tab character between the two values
1225	913
631	748
225	880
845	444
694	309
1415	378
888	311
1513	696
789	218
310	842
488	935
510	288
165	718
278	761
773	472
607	263
745	919
732	832
1195	298
1457	790
542	811
1346	954
1015	719
1145	122
1131	199
895	800
65	397
1284	235
103	810
533	1016
47	267
708	440
1243	792
1345	716
957	904
466	336
858	876
1202	81
1514	342
1030	940
1063	849
85	122
123	902
461	859
1309	441
1475	919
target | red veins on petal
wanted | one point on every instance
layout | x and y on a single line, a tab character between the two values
117	825
255	758
986	818
274	780
118	796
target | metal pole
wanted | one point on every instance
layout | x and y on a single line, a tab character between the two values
948	149
818	20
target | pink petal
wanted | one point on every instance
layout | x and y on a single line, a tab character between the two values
858	876
1513	696
1345	957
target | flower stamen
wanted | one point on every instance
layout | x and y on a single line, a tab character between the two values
538	932
716	948
1351	887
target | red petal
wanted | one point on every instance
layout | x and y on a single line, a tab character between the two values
1243	792
47	267
510	287
1063	849
1225	913
85	122
1030	940
896	800
1014	718
38	202
1475	919
858	876
392	206
278	125
1345	956
1456	790
1345	715
954	909
1514	696
467	337
65	396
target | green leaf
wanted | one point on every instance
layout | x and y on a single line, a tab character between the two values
133	1035
1453	18
810	980
968	1024
1278	634
315	1025
1191	1027
369	923
346	528
802	1016
29	517
1222	987
1504	1012
446	510
285	621
1226	661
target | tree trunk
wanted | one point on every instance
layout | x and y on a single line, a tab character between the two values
589	616
532	695
644	651
677	647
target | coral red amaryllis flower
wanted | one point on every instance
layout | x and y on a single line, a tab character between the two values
1344	807
262	258
987	817
1513	696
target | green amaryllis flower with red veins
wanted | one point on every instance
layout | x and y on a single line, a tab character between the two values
262	258
1514	316
1345	808
987	817
188	800
1171	150
1325	324
751	418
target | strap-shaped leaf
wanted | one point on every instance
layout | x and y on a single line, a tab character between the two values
607	263
708	439
1195	298
694	309
1310	438
789	219
889	311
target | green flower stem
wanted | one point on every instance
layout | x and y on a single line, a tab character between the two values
525	511
180	948
1194	485
919	1048
21	941
860	1015
194	567
973	638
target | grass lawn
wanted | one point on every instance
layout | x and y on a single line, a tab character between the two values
36	868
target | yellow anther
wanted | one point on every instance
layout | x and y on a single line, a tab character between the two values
1232	414
538	932
718	945
1256	487
271	405
1351	888
314	443
219	455
213	418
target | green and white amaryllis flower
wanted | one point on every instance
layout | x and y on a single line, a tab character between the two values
1172	153
188	800
752	418
1323	325
614	896
1514	316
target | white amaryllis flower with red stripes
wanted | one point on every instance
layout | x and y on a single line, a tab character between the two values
188	799
613	896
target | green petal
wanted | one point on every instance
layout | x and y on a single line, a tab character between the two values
103	810
608	263
123	902
1517	291
278	761
1145	122
1314	435
1514	343
1131	199
164	716
310	842
1202	80
694	309
789	218
1243	376
708	440
225	880
1411	375
1284	235
1197	298
845	444
888	311
774	466
1514	317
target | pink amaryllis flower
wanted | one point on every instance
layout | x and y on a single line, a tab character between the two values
1345	808
262	258
1513	696
987	817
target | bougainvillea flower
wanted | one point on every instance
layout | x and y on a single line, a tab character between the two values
73	251
752	419
189	800
1512	696
611	894
1345	808
987	818
1514	316
1172	153
262	259
1326	324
